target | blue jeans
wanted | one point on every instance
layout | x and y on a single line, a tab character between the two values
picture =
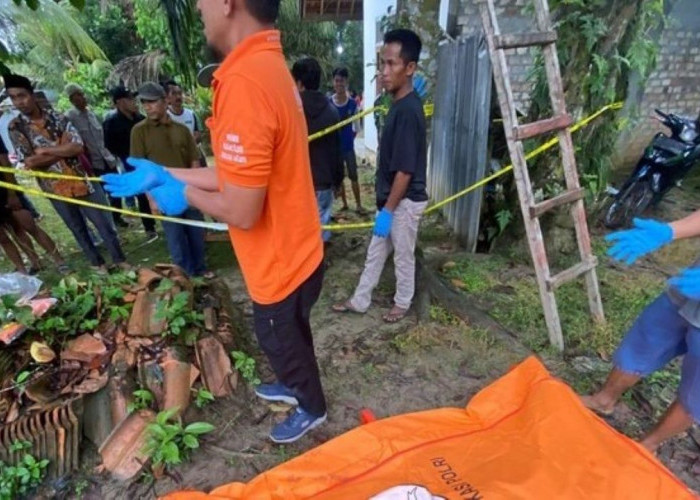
659	335
186	243
325	207
76	217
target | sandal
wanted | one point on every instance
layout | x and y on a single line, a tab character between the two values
209	275
395	315
345	307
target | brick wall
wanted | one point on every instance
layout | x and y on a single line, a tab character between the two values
674	86
511	19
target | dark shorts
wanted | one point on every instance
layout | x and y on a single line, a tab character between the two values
659	335
350	163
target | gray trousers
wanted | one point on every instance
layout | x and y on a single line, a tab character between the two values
402	241
75	217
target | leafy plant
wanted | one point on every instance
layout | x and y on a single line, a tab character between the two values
16	480
178	313
10	311
246	366
77	308
504	217
168	442
22	379
20	446
143	398
203	397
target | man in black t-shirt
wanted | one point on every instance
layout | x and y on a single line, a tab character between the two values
400	184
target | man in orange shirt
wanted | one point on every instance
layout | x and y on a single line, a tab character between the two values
262	188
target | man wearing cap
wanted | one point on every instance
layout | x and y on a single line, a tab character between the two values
47	141
117	132
90	129
262	188
162	140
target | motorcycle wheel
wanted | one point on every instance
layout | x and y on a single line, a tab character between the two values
632	203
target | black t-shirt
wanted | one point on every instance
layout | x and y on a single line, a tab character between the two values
403	148
117	129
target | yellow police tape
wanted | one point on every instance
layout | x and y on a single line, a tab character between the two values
428	109
217	226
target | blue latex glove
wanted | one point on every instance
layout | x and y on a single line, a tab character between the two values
170	197
382	224
147	175
647	236
688	283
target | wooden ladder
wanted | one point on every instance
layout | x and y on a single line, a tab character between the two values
515	135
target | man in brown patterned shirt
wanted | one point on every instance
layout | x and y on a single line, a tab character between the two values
45	140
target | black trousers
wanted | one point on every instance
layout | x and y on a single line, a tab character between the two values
284	334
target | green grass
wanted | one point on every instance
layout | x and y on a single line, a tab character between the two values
516	301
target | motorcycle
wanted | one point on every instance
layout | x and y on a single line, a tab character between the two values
665	162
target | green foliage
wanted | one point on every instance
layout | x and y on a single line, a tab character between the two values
306	39
182	320
113	28
246	366
92	77
143	399
503	218
76	310
599	47
11	312
16	480
203	397
47	40
443	316
169	443
174	28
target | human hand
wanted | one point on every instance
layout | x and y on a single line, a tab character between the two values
647	236
170	197
382	224
688	283
146	176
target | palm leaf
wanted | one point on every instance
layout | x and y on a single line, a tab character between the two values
135	70
182	23
44	42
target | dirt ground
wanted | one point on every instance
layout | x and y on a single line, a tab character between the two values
417	365
365	363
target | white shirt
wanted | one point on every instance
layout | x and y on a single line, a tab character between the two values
5	120
187	118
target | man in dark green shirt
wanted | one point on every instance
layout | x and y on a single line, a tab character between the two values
160	139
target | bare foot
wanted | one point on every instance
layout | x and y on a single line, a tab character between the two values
395	315
593	402
650	445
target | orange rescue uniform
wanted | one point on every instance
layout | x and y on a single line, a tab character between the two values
260	140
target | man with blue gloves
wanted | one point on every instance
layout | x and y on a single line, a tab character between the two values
667	328
400	185
263	190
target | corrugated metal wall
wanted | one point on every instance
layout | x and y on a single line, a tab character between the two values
460	128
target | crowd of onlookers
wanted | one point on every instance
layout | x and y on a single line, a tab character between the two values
34	136
153	123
